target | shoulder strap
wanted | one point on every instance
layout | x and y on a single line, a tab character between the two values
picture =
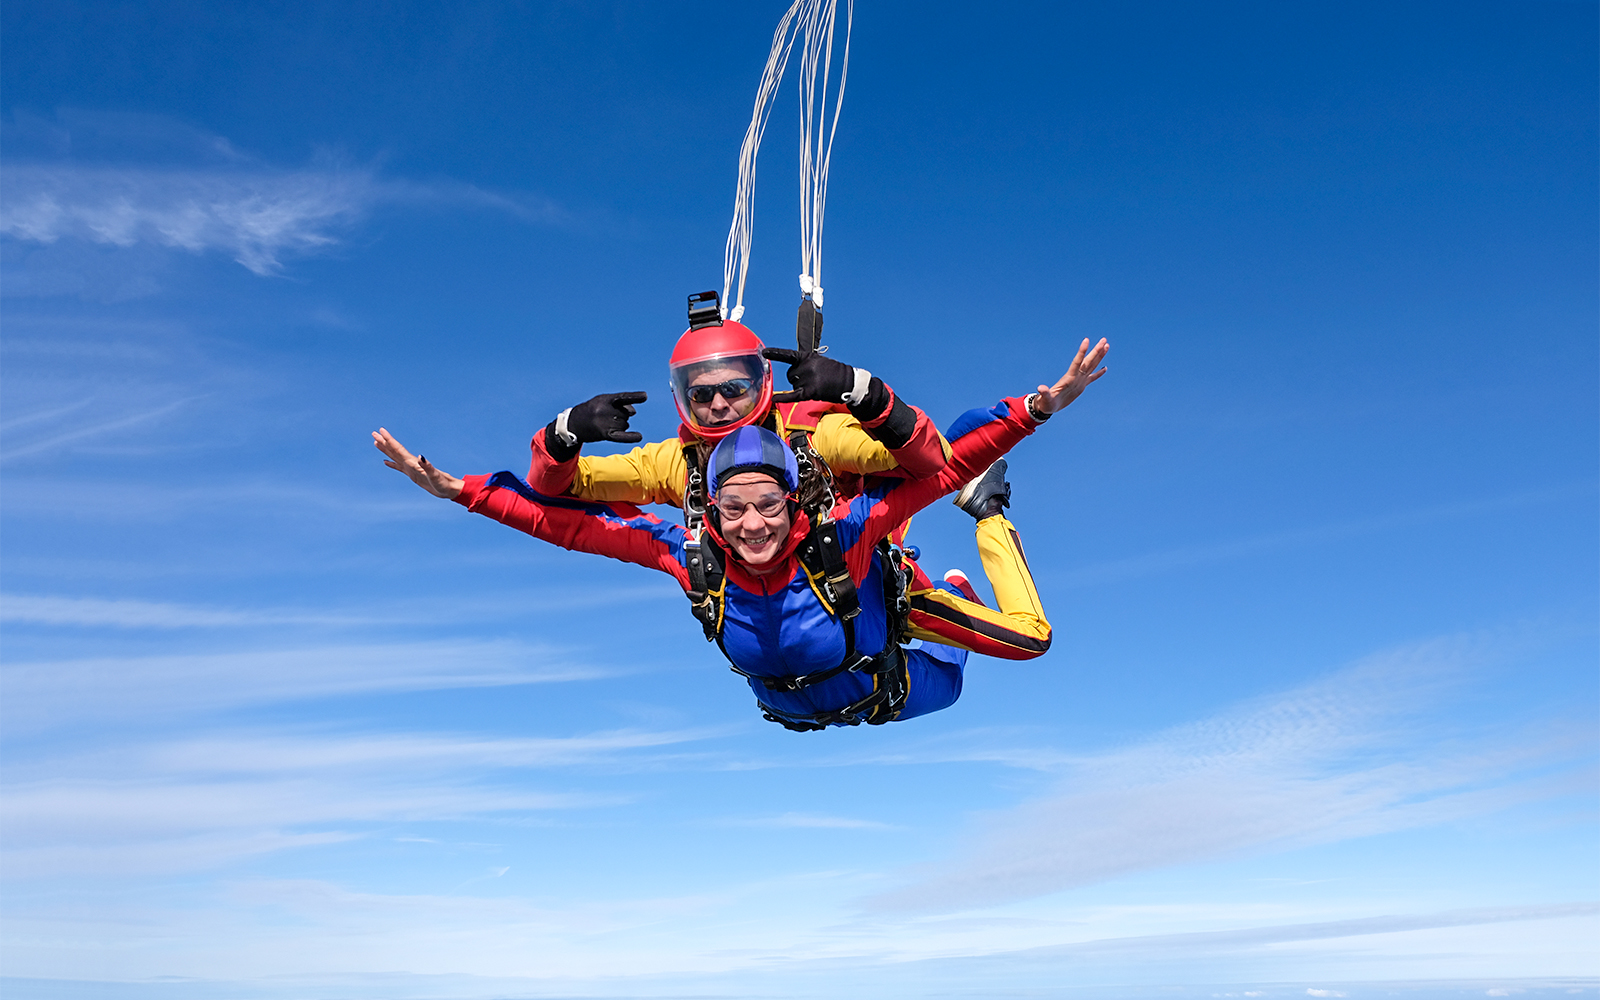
708	583
822	555
694	488
815	493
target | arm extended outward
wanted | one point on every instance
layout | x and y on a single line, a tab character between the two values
620	531
873	516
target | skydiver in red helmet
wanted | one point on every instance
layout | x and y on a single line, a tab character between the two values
721	379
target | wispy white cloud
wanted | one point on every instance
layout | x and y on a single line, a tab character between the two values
732	942
129	613
50	694
59	498
121	422
1165	944
1346	757
131	829
256	216
283	753
84	384
133	613
54	413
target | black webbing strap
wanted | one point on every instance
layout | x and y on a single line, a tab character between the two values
896	583
890	687
694	490
707	581
821	552
708	585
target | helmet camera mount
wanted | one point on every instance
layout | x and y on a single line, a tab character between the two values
705	309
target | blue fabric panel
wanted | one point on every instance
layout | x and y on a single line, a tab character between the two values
788	633
860	510
752	446
936	672
973	419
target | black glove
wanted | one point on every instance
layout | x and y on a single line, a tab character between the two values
813	375
603	418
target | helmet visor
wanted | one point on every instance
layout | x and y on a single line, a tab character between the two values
722	392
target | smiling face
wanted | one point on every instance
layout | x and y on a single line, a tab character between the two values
755	538
719	409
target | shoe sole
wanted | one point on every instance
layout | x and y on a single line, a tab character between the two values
958	580
971	488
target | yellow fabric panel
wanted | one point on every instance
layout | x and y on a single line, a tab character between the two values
652	473
1007	569
846	446
1019	611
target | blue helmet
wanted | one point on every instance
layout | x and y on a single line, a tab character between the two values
753	449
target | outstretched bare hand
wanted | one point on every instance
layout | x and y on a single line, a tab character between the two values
1085	369
421	471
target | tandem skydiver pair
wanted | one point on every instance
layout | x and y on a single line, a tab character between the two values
791	501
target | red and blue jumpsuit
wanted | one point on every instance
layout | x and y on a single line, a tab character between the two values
774	625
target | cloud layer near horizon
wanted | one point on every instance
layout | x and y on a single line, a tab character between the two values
1352	755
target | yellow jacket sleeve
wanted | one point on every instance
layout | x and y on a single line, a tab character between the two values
652	473
846	446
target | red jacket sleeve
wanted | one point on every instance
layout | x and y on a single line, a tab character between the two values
620	531
925	453
545	474
905	430
874	515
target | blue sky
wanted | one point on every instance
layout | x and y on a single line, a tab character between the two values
1320	715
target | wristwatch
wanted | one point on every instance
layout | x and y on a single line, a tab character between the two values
1032	411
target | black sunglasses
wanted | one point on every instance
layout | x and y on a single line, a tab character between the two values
731	389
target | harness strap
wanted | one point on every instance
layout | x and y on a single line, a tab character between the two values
896	582
694	494
708	583
708	586
826	555
891	686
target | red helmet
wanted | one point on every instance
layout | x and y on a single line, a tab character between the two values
720	381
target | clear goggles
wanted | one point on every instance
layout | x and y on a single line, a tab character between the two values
720	392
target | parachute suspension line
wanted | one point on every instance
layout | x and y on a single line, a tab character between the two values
736	258
811	22
815	154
